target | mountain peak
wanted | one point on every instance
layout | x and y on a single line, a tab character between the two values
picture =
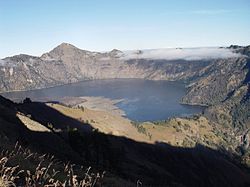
115	50
60	51
115	53
64	46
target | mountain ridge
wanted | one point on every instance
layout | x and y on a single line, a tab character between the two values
213	157
210	80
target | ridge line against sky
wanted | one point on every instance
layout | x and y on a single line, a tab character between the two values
34	27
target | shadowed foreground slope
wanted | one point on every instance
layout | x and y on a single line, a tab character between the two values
154	165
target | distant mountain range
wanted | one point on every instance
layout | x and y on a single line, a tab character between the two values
67	64
209	155
217	77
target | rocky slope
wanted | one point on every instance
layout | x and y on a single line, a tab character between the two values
214	75
225	89
66	64
222	77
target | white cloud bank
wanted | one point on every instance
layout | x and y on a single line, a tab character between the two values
181	53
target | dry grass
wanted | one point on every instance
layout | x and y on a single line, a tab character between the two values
184	132
103	121
7	174
46	171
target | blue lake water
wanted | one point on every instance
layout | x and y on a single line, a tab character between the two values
144	100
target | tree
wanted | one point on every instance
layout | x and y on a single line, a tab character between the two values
27	100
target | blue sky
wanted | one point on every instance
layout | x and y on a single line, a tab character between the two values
33	27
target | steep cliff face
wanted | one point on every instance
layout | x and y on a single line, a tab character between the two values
23	72
66	64
217	77
234	111
226	89
235	108
218	81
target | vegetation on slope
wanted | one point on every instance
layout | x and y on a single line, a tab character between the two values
125	161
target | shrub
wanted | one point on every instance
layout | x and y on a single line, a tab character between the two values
139	127
27	100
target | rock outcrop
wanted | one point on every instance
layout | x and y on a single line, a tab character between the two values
66	64
217	77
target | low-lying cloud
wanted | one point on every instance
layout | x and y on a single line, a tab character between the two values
182	53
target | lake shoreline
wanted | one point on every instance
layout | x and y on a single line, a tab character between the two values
94	103
86	80
135	99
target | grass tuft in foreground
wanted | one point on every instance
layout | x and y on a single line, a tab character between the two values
21	167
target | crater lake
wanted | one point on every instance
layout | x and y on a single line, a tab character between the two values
142	100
